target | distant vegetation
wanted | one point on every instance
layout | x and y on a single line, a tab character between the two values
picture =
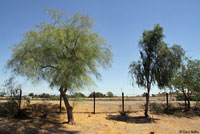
74	95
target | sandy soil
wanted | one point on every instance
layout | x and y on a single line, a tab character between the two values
107	120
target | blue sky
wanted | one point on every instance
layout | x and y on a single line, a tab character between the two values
120	22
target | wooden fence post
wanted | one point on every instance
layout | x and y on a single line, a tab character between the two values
122	102
19	106
20	98
94	102
167	100
60	103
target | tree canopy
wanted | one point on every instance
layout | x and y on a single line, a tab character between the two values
157	62
64	52
187	79
110	94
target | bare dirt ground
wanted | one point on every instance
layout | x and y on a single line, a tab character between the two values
107	120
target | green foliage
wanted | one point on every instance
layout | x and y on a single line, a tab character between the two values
192	75
11	87
110	94
78	95
12	107
187	80
195	97
156	108
159	108
197	106
157	61
44	95
153	95
143	95
180	97
64	52
97	95
31	95
2	94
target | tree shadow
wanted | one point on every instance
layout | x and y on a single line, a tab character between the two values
181	112
114	112
130	119
35	123
177	111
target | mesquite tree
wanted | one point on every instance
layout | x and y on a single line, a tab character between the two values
65	53
157	61
187	80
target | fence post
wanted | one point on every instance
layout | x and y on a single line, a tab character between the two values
122	102
60	103
19	107
167	99
20	98
94	102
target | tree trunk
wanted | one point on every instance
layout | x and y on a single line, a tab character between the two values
60	103
147	103
188	99
185	103
167	102
185	98
69	108
188	104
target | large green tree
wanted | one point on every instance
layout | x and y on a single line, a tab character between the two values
157	61
65	52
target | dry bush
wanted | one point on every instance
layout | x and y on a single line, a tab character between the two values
197	106
126	112
41	109
158	108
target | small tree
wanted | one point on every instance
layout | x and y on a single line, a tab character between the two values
157	62
110	94
97	95
12	89
187	80
31	94
78	95
64	52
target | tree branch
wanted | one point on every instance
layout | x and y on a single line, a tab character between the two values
48	66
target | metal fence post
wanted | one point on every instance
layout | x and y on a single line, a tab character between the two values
167	99
122	102
20	98
94	102
60	103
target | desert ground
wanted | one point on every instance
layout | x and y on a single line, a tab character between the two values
107	120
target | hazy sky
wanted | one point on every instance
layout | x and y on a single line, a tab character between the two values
120	22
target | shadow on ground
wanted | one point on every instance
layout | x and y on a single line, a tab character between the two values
177	110
33	126
116	112
130	119
181	112
36	122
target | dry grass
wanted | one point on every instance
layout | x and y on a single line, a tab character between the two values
107	120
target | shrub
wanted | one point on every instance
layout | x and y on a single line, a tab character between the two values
12	107
180	97
153	95
197	106
126	112
78	95
156	108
